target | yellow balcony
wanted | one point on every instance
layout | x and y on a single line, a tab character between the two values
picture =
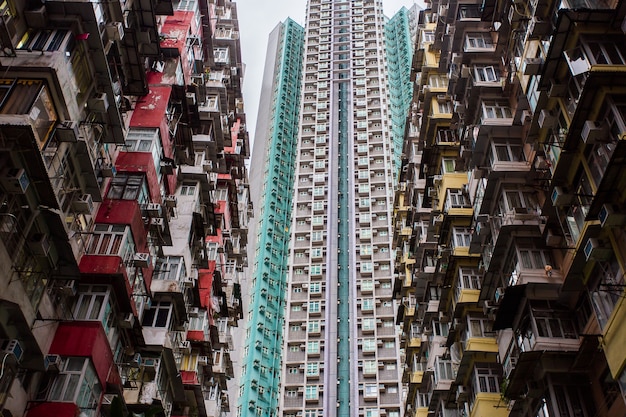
421	412
417	377
409	311
406	231
481	344
414	343
489	404
468	296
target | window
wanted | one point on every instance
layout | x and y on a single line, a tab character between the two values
314	306
312	369
77	382
478	40
368	324
370	390
370	367
469	278
389	344
550	325
486	73
487	377
479	327
512	199
112	239
315	287
313	346
145	140
158	315
447	165
188	189
313	326
129	187
496	110
221	55
505	151
457	199
169	268
369	345
367	267
367	285
462	236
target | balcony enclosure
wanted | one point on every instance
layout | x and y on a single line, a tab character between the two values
547	326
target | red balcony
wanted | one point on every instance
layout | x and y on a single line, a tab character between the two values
87	339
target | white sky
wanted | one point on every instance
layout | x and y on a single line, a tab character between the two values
257	18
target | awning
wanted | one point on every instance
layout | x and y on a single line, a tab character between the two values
509	307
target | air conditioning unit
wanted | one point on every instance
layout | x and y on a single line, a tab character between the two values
541	163
67	131
594	132
167	167
39	244
560	198
67	288
13	347
53	363
83	204
532	66
170	201
191	98
127	321
108	171
98	103
546	119
153	209
136	360
150	363
189	282
594	249
115	31
611	216
203	360
141	260
185	346
14	181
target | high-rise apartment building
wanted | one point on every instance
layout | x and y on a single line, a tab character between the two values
509	211
271	189
123	207
340	352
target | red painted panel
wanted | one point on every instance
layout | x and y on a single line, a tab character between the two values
108	269
175	30
87	339
125	212
189	377
140	162
195	335
150	109
101	265
205	282
53	409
